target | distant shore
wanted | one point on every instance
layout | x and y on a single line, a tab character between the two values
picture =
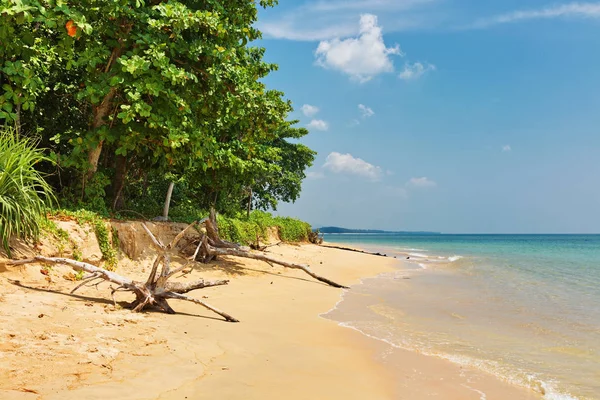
62	347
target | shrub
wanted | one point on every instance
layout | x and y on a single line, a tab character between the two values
24	194
246	230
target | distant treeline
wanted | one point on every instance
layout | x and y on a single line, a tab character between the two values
335	229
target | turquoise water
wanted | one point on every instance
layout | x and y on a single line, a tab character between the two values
523	307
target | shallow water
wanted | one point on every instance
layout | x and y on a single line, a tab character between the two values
523	307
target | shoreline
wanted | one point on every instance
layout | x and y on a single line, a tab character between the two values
283	348
422	376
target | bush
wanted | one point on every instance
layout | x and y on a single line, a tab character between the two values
246	230
24	194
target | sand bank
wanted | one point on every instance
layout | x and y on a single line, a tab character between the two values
56	346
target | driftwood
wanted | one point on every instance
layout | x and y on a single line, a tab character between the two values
156	290
354	250
211	245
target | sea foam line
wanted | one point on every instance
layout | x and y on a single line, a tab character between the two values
546	389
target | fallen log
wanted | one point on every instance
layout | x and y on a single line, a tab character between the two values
211	245
157	288
262	257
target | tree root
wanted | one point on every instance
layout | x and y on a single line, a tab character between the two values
156	290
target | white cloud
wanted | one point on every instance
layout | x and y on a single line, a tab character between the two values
506	148
354	123
581	10
309	110
315	20
286	29
318	124
384	5
361	57
422	182
347	164
365	111
415	71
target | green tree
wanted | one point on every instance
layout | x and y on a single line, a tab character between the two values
152	87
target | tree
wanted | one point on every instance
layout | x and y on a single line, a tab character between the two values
127	89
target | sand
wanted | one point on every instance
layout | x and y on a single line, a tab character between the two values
57	346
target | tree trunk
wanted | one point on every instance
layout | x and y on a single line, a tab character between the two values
100	114
103	109
168	201
119	181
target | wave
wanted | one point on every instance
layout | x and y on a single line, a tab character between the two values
513	376
419	255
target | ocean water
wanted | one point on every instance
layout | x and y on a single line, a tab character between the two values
525	308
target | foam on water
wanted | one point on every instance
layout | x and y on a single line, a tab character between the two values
523	308
517	378
419	255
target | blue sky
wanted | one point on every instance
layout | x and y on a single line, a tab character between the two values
446	115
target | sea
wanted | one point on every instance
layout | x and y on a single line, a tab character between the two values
525	308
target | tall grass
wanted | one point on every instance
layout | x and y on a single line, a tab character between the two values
24	194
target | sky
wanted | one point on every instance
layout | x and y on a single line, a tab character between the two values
455	116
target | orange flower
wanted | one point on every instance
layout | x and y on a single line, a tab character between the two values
71	28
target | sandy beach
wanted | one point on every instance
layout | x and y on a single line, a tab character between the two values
59	346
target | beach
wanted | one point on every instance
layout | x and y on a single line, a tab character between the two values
58	346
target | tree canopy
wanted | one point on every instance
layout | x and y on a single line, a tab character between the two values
132	93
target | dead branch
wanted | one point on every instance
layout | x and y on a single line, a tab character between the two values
212	245
157	288
262	257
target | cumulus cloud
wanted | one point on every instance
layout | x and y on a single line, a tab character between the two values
361	57
415	71
318	124
309	110
506	148
365	111
422	182
347	164
580	10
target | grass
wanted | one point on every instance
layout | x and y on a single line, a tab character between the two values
24	194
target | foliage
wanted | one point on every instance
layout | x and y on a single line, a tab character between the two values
167	86
130	95
108	245
248	230
24	194
61	237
